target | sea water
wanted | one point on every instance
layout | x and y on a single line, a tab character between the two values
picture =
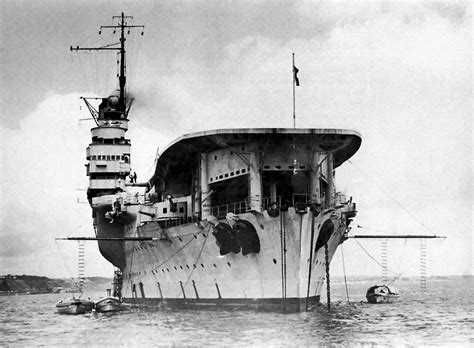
440	316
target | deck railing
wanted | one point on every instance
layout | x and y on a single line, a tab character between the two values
220	211
301	199
297	200
289	201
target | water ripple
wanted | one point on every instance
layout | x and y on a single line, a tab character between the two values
443	316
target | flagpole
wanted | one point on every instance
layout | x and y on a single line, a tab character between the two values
293	71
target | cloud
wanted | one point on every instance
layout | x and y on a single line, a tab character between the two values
399	73
42	170
43	187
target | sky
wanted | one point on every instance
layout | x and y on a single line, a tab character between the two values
400	73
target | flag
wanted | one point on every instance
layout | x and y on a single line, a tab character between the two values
295	75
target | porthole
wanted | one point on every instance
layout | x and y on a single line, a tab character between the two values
262	227
274	261
181	267
195	237
243	170
215	158
187	266
180	239
214	265
228	264
168	269
202	265
278	167
175	268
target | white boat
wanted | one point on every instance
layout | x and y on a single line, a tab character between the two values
74	306
382	294
108	304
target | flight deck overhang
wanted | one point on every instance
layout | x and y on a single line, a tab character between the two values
343	144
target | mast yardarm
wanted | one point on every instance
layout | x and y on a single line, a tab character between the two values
121	25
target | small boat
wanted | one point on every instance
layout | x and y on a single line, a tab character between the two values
74	306
382	294
108	304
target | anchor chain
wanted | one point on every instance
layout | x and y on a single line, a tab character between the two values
328	286
283	255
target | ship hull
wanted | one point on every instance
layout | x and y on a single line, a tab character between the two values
258	304
184	267
245	216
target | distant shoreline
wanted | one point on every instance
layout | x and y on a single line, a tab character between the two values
32	285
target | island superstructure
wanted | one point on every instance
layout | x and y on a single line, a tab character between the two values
244	217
